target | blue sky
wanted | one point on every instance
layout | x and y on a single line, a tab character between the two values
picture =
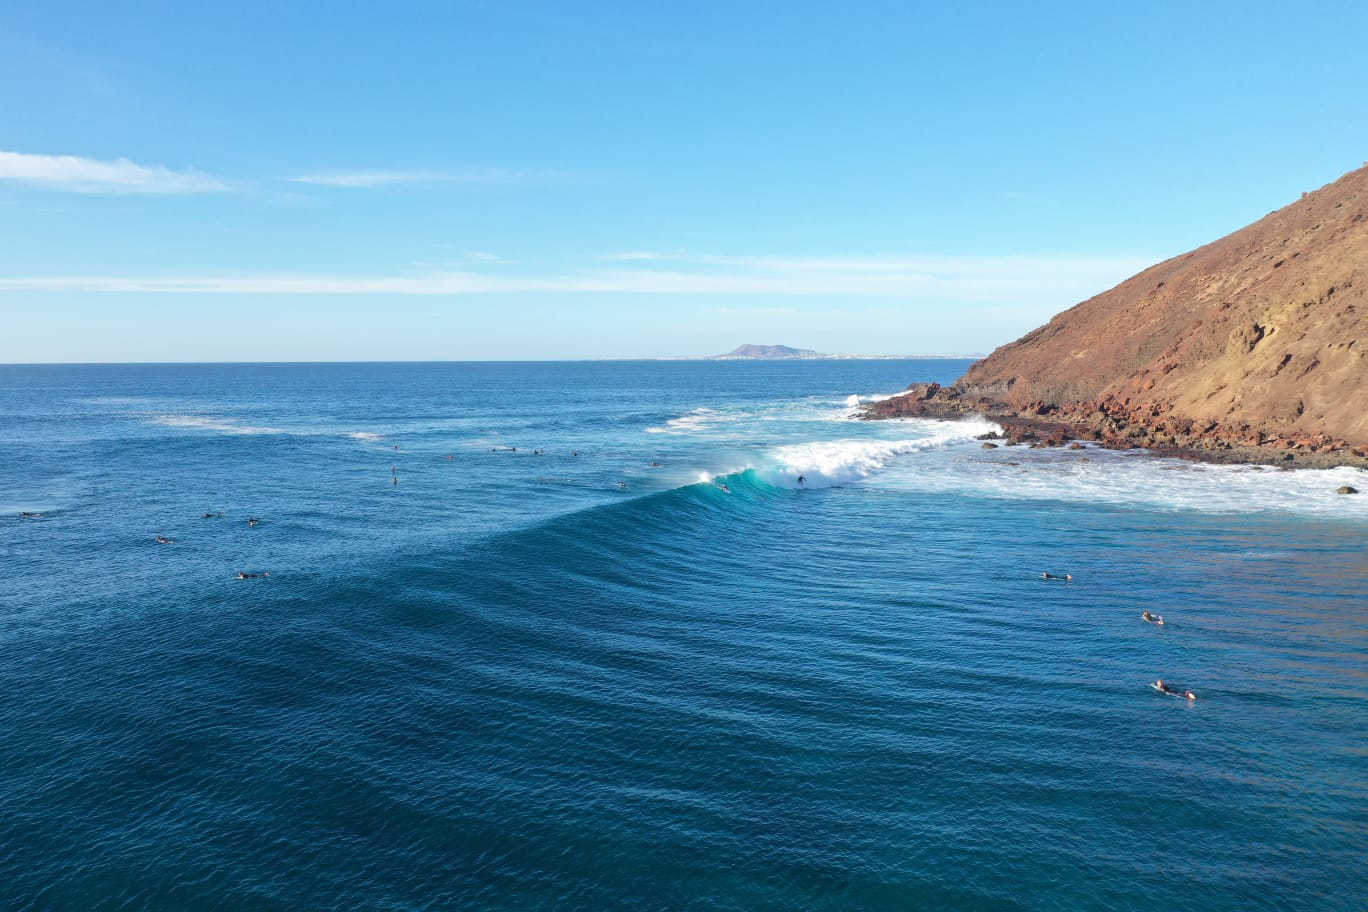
517	180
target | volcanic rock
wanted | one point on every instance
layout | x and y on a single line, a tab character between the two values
1255	343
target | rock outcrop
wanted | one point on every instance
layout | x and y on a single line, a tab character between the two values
1252	348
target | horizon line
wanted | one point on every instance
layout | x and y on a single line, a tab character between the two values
716	358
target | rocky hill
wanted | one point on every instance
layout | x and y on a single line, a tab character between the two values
1253	344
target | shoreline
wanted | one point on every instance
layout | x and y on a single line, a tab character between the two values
1121	426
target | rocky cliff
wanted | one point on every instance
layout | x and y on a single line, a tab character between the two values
1254	346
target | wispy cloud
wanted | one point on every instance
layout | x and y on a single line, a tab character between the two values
633	255
1007	280
365	179
89	175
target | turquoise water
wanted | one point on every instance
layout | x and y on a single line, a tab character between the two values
572	680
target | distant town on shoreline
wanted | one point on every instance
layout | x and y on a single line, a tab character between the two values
751	352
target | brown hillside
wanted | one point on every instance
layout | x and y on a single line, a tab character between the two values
1267	327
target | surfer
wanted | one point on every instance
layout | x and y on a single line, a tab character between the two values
1051	576
1153	618
163	540
622	484
252	521
802	479
242	575
211	515
1160	686
25	514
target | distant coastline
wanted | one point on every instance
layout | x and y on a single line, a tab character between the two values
819	357
752	352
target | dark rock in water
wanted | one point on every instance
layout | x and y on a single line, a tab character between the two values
991	435
1075	446
1347	489
990	446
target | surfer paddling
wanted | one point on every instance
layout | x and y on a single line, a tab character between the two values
1052	576
1152	618
244	576
163	540
1160	686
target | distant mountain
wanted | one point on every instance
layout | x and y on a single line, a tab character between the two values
768	353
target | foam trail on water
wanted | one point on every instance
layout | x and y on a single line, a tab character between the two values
221	425
696	420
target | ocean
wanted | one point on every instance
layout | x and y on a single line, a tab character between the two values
656	636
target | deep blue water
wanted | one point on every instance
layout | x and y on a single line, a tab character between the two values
504	680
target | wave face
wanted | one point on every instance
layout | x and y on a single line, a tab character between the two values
576	636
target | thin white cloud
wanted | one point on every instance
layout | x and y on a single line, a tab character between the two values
634	255
89	175
366	179
983	280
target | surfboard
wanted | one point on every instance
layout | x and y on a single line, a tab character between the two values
1170	693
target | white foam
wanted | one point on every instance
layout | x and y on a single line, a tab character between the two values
220	425
850	405
856	400
697	420
366	436
830	463
1141	479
